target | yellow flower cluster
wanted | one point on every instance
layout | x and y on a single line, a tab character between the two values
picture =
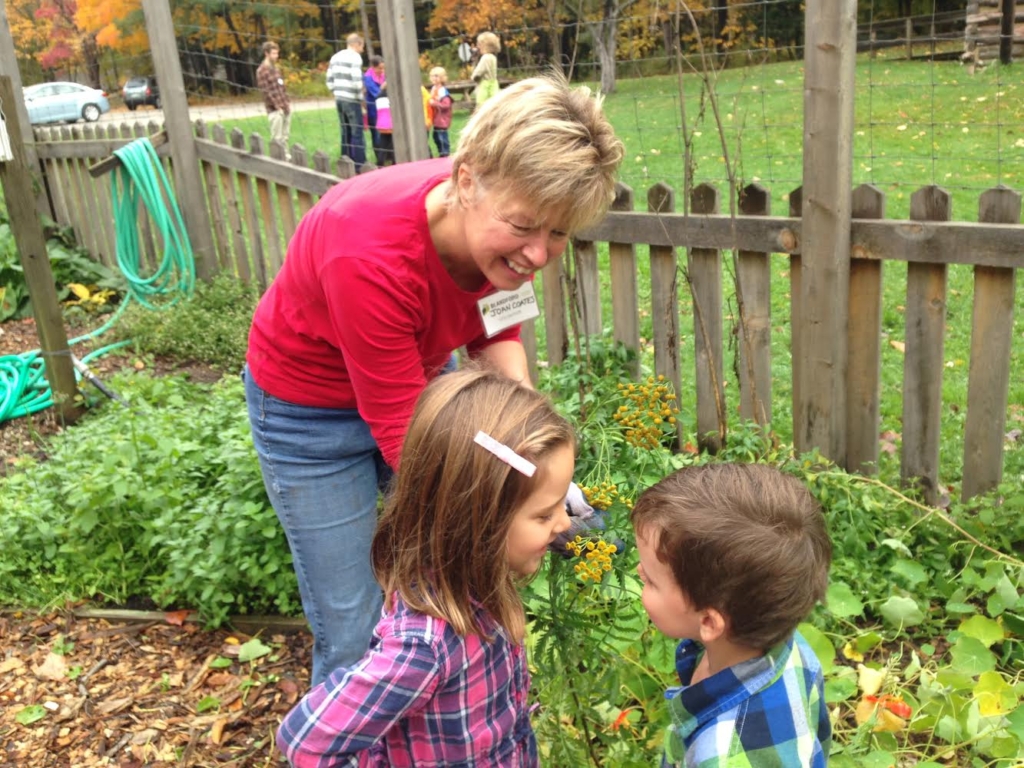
595	557
600	496
649	407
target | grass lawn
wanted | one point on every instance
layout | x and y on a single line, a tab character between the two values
917	123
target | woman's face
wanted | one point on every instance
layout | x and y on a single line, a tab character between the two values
508	239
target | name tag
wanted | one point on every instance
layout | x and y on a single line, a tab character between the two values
504	309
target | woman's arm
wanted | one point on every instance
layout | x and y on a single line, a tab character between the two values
509	357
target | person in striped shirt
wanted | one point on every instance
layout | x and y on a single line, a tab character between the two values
486	466
345	81
732	558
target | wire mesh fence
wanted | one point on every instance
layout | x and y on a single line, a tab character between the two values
706	91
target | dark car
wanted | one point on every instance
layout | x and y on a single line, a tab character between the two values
141	90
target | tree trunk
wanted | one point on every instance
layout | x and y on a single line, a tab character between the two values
604	34
91	55
554	36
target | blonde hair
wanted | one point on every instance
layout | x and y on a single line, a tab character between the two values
441	543
488	42
440	71
546	143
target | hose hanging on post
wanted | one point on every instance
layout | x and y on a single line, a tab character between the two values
140	176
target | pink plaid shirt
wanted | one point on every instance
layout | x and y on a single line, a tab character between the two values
421	696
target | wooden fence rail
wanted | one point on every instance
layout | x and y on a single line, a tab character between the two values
255	200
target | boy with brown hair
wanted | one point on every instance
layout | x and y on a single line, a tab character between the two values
733	557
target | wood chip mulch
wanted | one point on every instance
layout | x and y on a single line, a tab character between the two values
142	693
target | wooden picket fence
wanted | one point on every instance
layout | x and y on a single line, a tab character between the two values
255	200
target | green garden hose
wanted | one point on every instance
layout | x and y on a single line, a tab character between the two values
140	176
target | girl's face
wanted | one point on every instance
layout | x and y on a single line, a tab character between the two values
435	78
508	239
542	516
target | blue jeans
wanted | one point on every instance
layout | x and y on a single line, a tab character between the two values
353	143
322	470
441	140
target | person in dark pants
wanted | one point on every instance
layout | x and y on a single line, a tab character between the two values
385	276
345	80
373	81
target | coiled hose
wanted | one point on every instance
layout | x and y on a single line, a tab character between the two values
139	176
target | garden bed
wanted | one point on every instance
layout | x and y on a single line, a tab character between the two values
92	692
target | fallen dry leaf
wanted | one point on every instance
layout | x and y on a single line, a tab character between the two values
899	346
54	667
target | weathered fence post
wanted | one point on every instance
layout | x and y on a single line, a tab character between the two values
188	183
829	58
705	270
556	332
622	262
16	182
863	375
754	307
397	21
988	380
588	286
923	356
665	296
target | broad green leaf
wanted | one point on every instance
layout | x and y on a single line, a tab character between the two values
1013	623
821	646
898	546
842	602
956	679
30	714
252	650
910	570
1003	746
220	663
901	611
877	759
842	687
948	729
1008	592
995	605
983	629
207	703
995	696
867	641
972	657
1015	723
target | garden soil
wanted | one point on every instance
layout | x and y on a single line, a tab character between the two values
142	693
147	689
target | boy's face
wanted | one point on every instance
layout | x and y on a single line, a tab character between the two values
669	609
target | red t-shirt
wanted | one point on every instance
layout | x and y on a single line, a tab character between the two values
363	313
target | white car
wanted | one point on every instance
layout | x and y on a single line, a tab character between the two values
58	102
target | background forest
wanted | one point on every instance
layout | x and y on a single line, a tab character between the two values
102	42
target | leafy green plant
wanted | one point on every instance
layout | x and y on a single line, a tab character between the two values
212	326
925	600
69	263
163	499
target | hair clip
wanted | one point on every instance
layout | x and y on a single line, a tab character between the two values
505	453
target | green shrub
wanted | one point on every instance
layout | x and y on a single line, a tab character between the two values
212	326
163	500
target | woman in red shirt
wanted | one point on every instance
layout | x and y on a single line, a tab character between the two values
386	275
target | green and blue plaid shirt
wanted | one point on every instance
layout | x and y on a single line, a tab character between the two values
767	712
